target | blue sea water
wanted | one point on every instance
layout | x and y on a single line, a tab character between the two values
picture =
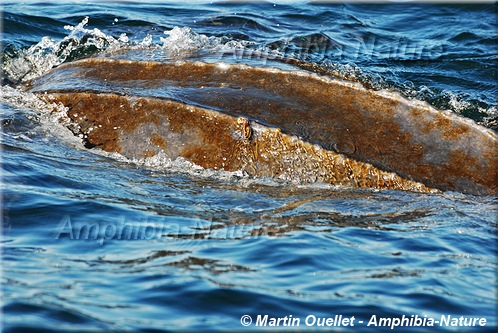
92	241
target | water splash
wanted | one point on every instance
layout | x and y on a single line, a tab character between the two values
48	117
38	59
184	39
24	100
25	65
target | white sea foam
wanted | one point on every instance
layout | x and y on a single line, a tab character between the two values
185	39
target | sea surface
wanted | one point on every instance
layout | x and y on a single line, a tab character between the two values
93	241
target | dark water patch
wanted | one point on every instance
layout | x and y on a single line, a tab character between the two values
30	29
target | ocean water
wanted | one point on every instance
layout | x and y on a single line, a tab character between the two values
94	241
